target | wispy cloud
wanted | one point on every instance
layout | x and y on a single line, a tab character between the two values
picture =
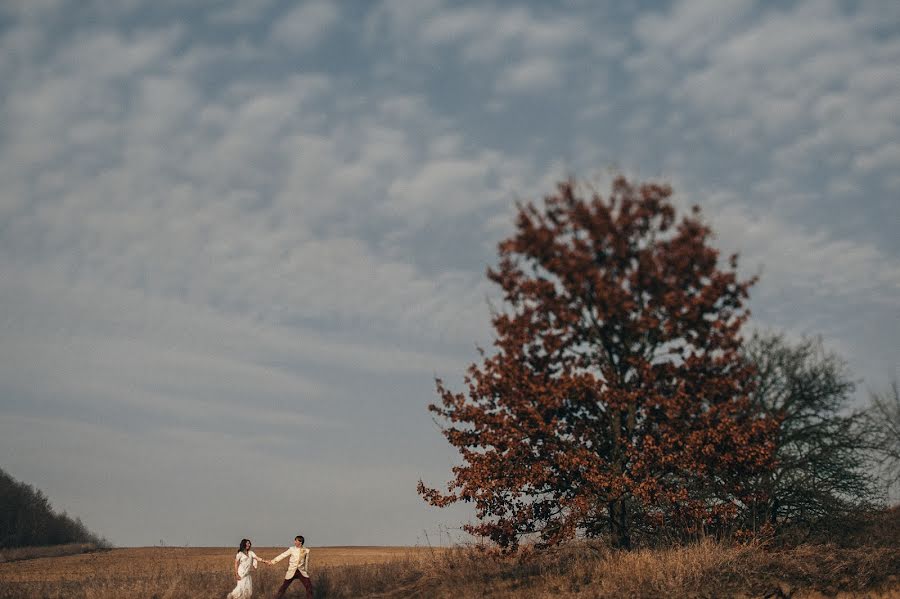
306	24
250	233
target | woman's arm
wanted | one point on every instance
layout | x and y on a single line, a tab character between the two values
256	558
237	561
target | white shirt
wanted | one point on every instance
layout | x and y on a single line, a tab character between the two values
299	561
246	561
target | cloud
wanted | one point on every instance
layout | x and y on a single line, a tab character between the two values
486	34
530	50
807	264
305	25
530	75
211	249
181	258
799	83
455	185
240	12
883	157
216	199
690	27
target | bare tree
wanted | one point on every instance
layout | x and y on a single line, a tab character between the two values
885	414
822	476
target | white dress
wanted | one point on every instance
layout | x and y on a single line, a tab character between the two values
246	563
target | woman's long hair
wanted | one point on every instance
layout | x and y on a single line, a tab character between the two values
244	543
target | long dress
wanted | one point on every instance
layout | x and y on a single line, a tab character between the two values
246	563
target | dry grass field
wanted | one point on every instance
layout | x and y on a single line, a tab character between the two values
705	570
168	571
145	561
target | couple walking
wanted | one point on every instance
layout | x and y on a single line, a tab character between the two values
245	562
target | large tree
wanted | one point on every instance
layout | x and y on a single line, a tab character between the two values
617	401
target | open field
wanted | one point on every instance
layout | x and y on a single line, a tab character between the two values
170	571
147	561
577	571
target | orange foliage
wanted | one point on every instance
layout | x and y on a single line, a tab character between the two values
616	401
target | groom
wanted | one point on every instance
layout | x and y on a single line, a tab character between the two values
296	567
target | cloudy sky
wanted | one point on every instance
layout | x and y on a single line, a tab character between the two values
239	241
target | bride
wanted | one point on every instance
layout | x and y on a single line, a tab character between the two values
244	563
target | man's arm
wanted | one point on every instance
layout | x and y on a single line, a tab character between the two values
286	553
305	564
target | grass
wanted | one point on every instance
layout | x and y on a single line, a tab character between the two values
24	553
866	565
171	572
706	569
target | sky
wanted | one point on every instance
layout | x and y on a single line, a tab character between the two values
238	241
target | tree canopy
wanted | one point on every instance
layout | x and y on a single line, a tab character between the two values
617	401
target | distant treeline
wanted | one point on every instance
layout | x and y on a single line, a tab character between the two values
27	519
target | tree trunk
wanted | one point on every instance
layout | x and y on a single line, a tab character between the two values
618	524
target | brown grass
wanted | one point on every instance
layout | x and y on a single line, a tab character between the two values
166	572
706	570
23	553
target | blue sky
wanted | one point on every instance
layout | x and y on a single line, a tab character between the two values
239	241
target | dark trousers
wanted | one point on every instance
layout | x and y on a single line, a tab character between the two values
287	582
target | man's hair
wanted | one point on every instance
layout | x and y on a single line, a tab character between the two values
301	539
